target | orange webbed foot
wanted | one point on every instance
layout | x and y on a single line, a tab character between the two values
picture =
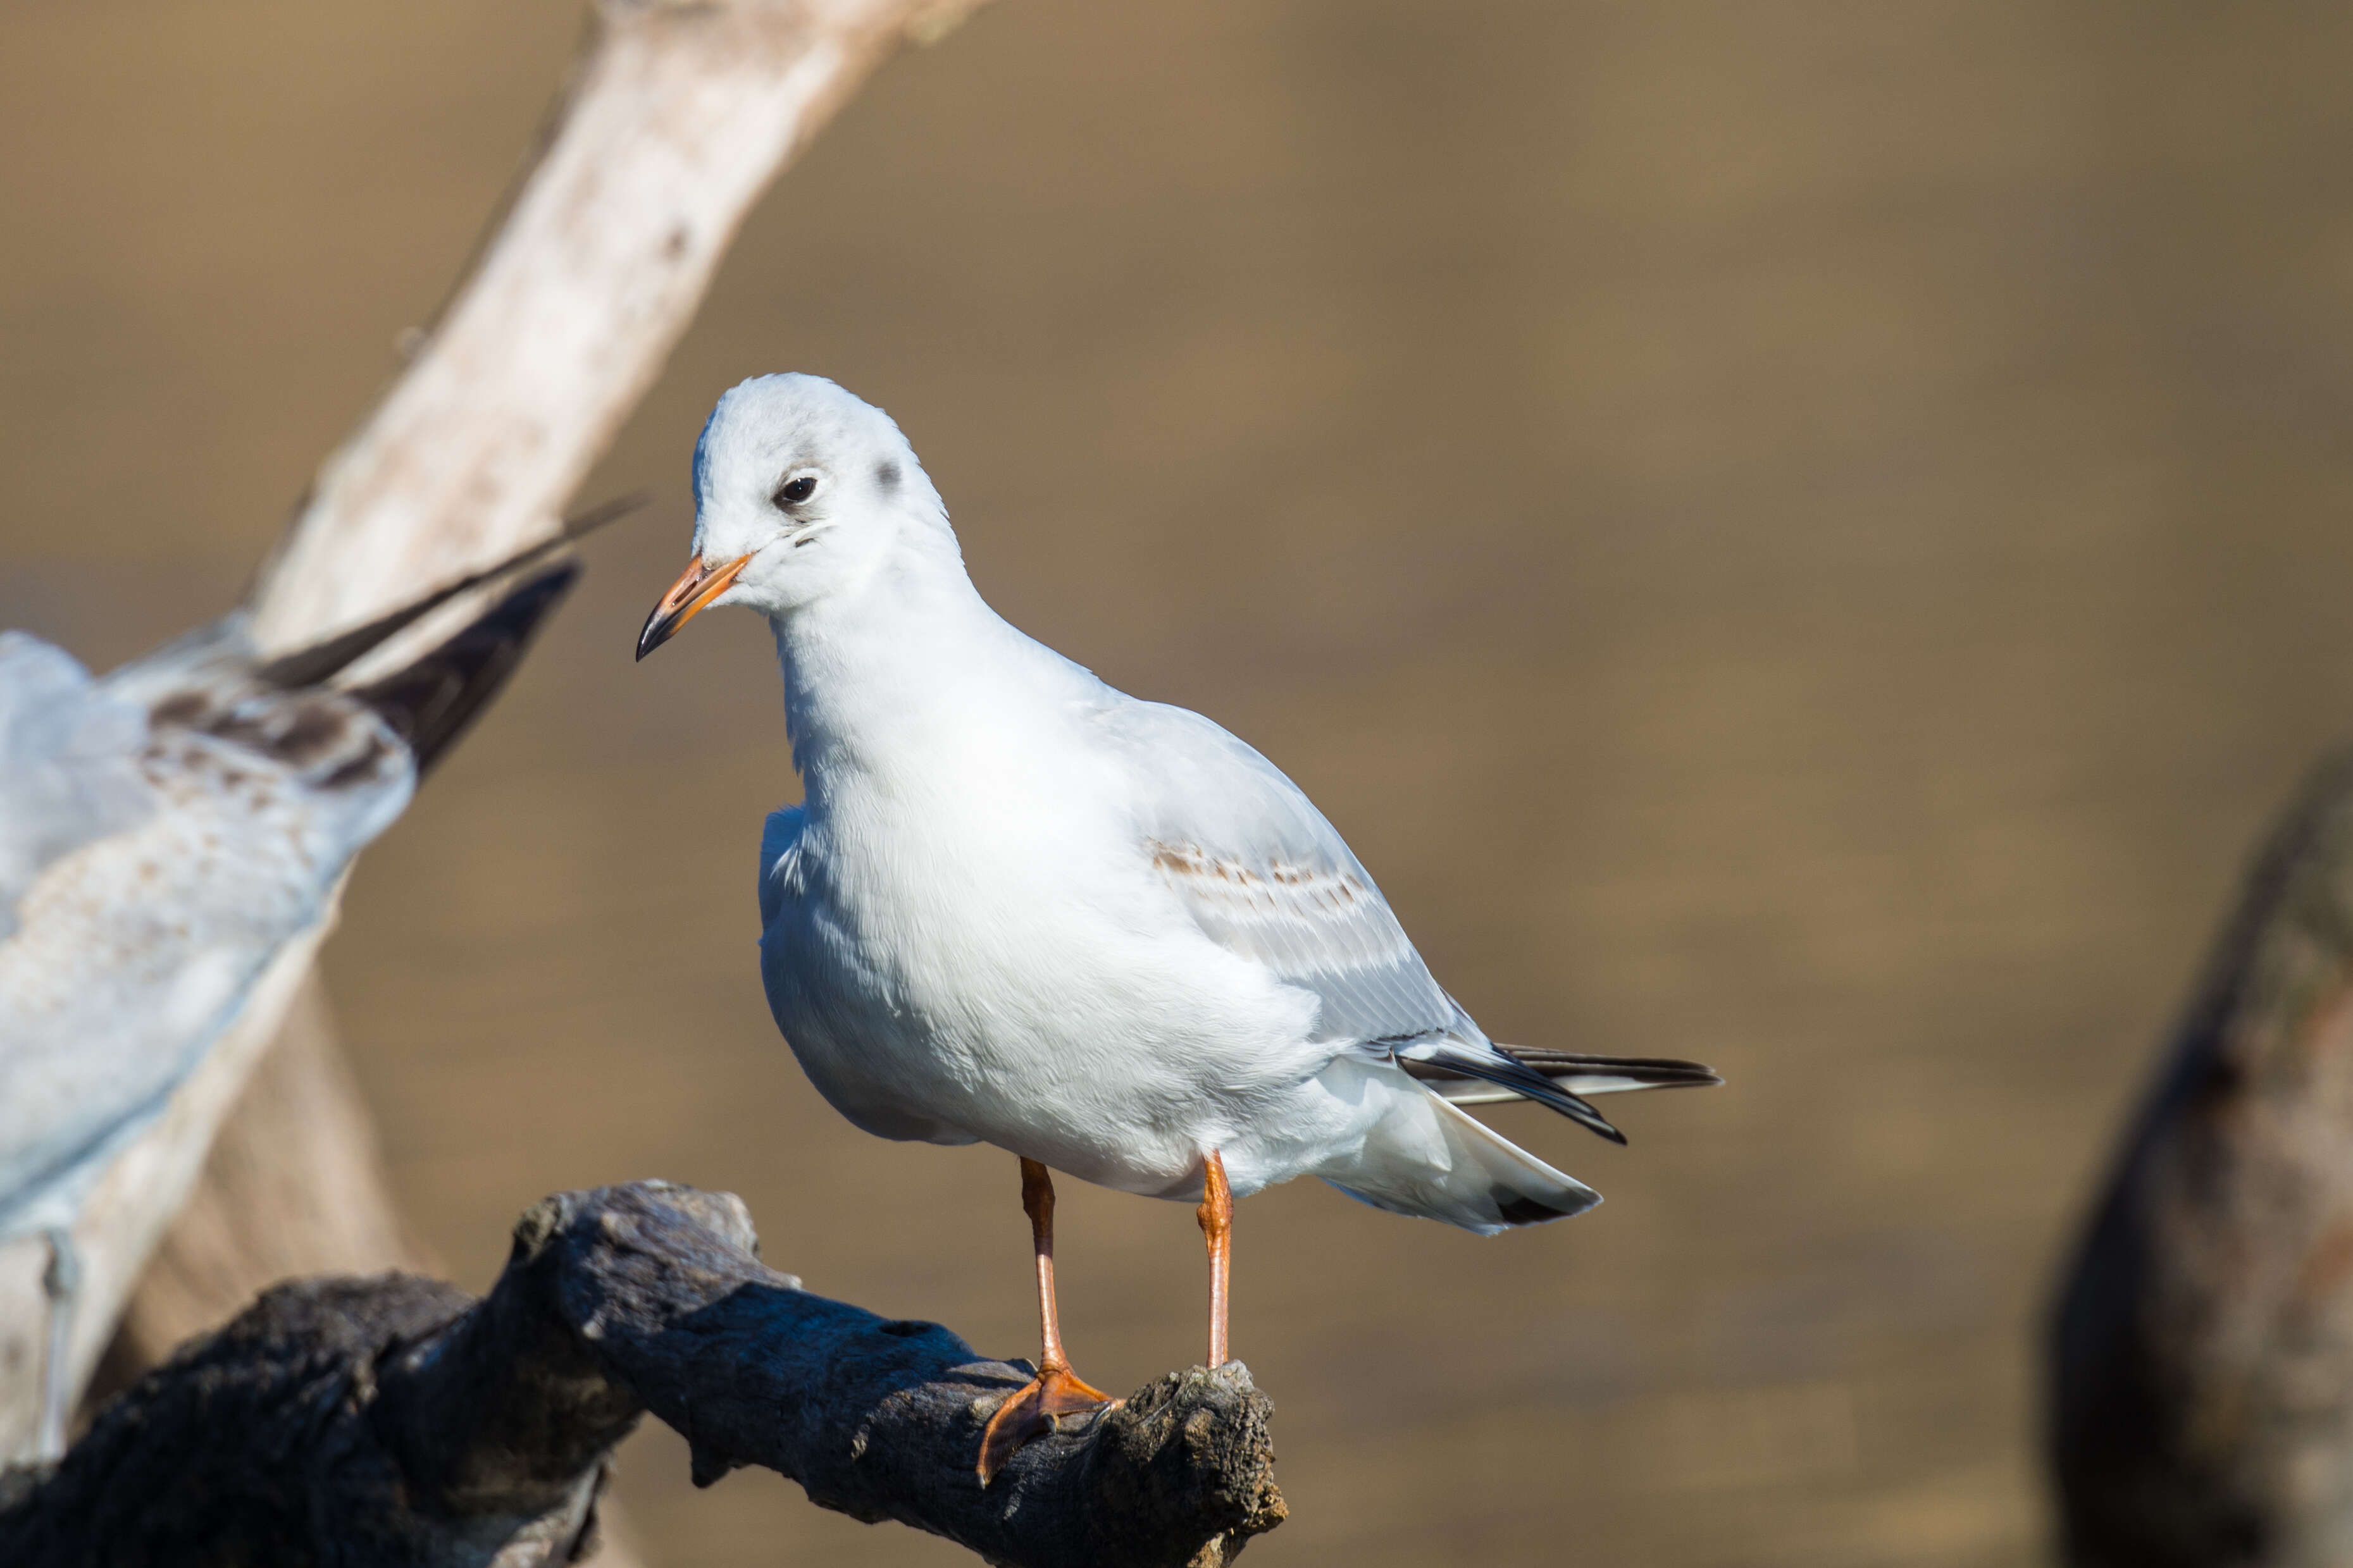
1036	1409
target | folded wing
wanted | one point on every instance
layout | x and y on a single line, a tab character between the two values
1264	875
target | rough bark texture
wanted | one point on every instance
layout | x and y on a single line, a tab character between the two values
2201	1377
394	1421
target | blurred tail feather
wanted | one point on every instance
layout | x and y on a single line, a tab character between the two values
321	660
431	702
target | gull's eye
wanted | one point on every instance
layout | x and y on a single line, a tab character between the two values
794	491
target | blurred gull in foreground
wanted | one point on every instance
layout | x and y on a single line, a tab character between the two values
167	832
1018	906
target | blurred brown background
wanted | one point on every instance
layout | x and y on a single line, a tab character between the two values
1810	536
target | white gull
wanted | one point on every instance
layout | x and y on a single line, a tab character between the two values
1020	907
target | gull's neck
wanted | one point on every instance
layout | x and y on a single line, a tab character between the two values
889	680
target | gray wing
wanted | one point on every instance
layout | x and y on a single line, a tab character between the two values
166	835
1265	876
68	767
164	861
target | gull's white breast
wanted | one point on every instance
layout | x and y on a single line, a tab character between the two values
981	948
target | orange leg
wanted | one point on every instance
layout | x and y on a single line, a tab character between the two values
1056	1391
1217	1217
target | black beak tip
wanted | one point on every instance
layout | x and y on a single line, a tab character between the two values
657	632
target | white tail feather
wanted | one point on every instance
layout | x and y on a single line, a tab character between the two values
1425	1157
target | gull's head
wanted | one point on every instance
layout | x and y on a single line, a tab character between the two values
800	489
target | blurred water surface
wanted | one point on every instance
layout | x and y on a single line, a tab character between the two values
1809	536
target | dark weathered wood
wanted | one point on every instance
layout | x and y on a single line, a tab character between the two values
395	1421
2202	1378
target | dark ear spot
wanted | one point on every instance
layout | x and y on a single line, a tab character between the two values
886	474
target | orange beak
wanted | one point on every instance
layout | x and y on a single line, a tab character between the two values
696	586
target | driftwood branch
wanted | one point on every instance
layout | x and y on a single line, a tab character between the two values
394	1421
676	116
2201	1375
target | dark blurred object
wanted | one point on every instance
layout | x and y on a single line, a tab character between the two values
2201	1380
394	1421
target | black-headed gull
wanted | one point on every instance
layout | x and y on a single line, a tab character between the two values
1020	907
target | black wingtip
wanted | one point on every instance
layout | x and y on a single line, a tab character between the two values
1496	1066
1651	1072
1580	1109
431	702
320	661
